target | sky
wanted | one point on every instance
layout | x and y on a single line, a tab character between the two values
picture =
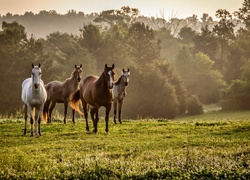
157	8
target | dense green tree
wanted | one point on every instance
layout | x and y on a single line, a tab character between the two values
199	76
91	38
236	95
143	47
13	50
148	97
67	51
170	45
243	13
206	20
114	49
224	31
206	42
169	72
187	35
124	15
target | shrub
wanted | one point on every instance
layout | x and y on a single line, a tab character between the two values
194	106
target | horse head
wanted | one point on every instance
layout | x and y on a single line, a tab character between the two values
109	75
77	73
125	76
36	75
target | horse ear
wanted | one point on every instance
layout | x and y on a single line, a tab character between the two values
80	65
39	65
106	66
75	66
123	70
32	65
113	66
128	69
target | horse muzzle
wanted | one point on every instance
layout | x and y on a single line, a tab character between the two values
111	86
36	86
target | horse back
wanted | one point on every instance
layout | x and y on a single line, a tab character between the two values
86	86
55	91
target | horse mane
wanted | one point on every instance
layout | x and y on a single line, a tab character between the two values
118	81
100	83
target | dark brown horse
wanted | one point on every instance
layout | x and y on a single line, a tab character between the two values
95	92
119	90
60	92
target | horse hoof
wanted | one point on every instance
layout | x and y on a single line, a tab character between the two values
94	131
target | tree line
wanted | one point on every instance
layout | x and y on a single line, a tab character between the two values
170	74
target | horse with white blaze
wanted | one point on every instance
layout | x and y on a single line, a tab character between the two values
33	97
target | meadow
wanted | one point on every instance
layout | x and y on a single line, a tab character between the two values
211	146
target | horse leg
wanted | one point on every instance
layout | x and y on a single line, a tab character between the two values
36	118
31	121
65	110
73	116
85	110
92	114
39	126
120	110
108	107
39	121
115	109
25	118
50	110
96	119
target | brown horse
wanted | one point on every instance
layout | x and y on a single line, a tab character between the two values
95	92
119	90
60	92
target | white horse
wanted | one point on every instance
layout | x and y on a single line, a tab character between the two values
34	96
119	90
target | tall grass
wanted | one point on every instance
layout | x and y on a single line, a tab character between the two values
211	146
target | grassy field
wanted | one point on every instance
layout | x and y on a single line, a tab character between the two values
211	146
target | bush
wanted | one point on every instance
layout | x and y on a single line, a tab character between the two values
150	95
236	96
194	106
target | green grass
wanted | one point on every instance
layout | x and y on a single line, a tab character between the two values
211	146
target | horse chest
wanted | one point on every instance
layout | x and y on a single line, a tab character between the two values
119	93
36	100
104	98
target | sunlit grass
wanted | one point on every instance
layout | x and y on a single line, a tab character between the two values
214	145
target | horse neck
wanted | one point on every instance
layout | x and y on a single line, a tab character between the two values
101	82
120	84
73	81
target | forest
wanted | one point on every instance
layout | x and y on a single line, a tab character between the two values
176	65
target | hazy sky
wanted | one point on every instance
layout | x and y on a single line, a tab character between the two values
170	8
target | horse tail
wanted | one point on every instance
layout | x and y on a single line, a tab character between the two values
74	101
45	111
